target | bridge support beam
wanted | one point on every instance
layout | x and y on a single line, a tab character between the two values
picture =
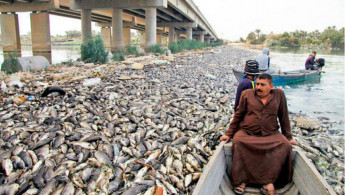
10	34
171	34
86	33
151	26
189	33
106	37
117	24
126	36
40	35
201	38
207	39
159	38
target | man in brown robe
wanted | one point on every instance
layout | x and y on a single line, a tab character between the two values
260	153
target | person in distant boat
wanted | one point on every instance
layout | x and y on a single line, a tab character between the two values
264	62
251	70
310	63
261	154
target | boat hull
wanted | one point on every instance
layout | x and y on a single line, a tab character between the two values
306	180
289	77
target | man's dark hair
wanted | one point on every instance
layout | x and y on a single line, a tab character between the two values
266	76
314	52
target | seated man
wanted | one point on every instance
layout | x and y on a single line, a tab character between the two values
264	62
250	72
261	154
310	63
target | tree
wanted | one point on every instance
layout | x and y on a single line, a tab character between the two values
73	34
251	36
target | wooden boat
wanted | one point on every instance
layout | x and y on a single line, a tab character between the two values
306	180
289	77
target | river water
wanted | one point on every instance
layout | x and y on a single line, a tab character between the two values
323	98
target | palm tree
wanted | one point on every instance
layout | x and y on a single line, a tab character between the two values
258	33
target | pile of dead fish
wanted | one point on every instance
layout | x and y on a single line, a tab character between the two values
119	136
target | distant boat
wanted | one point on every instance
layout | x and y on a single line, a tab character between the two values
305	178
288	77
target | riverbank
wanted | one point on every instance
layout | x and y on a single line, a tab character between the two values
127	126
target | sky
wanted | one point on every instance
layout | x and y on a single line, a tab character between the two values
232	19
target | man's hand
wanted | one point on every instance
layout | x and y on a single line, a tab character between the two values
225	138
293	142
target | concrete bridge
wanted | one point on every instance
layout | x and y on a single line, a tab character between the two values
175	19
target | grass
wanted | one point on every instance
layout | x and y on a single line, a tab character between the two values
157	48
119	56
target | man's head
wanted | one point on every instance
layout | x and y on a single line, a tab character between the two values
266	51
264	84
314	53
251	68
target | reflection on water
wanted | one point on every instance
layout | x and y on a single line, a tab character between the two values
59	53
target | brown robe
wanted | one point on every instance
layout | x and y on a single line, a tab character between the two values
260	153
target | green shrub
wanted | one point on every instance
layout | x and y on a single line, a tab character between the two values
94	51
157	48
11	64
119	56
132	50
189	44
174	47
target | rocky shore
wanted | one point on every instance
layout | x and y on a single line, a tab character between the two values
130	127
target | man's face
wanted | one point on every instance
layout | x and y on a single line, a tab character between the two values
263	87
313	54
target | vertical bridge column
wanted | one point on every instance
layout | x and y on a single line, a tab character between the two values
106	37
171	34
189	33
117	30
10	34
40	35
151	26
201	37
86	33
127	36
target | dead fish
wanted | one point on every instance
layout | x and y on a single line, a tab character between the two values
9	189
58	141
84	145
188	180
193	162
181	140
103	158
135	190
7	166
49	187
68	189
26	158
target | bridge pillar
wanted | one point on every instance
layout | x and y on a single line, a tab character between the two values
40	35
151	26
171	34
207	39
117	30
106	37
86	33
159	38
189	33
10	34
201	38
126	36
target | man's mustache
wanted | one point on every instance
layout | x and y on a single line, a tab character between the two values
259	90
